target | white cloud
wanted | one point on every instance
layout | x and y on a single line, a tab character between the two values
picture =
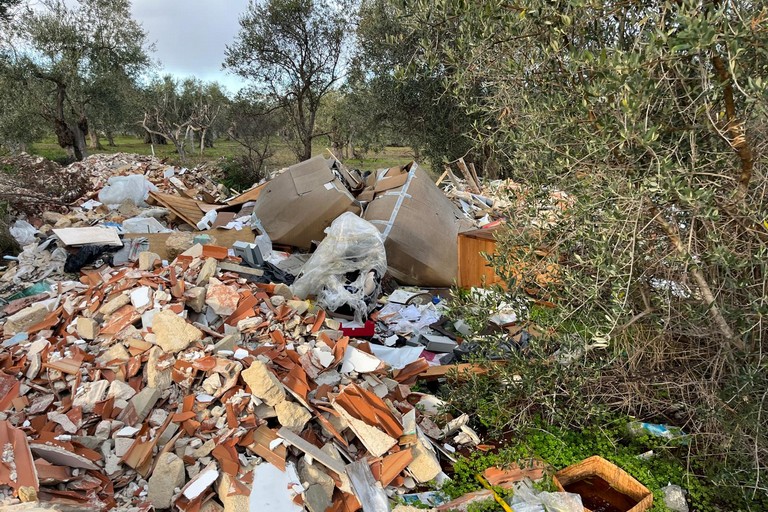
190	35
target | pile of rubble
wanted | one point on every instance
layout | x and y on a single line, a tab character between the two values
169	345
174	385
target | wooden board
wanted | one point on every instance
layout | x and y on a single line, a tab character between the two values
474	269
251	194
189	210
223	237
462	370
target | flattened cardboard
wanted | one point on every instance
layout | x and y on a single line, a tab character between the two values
420	225
297	206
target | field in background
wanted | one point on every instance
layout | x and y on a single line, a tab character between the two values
387	157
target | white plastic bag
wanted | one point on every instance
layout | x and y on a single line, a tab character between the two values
23	232
527	499
134	188
352	245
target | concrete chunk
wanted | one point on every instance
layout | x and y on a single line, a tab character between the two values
283	290
226	343
173	333
160	378
263	383
167	477
87	328
120	390
207	271
116	352
231	502
89	393
147	260
25	319
195	299
140	406
114	304
178	242
292	415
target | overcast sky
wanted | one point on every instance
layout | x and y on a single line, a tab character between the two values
190	35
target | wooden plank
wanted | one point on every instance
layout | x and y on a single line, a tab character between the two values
189	210
223	237
474	175
456	183
251	194
467	176
438	372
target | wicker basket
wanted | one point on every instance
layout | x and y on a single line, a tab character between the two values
616	477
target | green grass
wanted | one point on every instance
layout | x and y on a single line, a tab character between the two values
387	157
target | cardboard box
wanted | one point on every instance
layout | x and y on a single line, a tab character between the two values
420	226
297	206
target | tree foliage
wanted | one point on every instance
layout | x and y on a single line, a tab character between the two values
180	110
651	115
393	107
69	52
253	124
292	51
6	8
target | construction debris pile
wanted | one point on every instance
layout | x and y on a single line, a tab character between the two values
160	385
169	345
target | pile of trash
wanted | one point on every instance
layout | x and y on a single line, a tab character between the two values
173	384
167	343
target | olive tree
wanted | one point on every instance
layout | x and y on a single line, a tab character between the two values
652	116
292	51
68	49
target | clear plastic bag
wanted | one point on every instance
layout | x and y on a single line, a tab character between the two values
527	499
134	188
23	232
674	498
346	268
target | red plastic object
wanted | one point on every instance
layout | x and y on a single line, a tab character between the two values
366	331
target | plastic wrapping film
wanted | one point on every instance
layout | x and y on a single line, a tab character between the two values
352	246
134	188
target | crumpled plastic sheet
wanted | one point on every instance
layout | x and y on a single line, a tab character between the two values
352	246
37	263
527	499
134	188
23	232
